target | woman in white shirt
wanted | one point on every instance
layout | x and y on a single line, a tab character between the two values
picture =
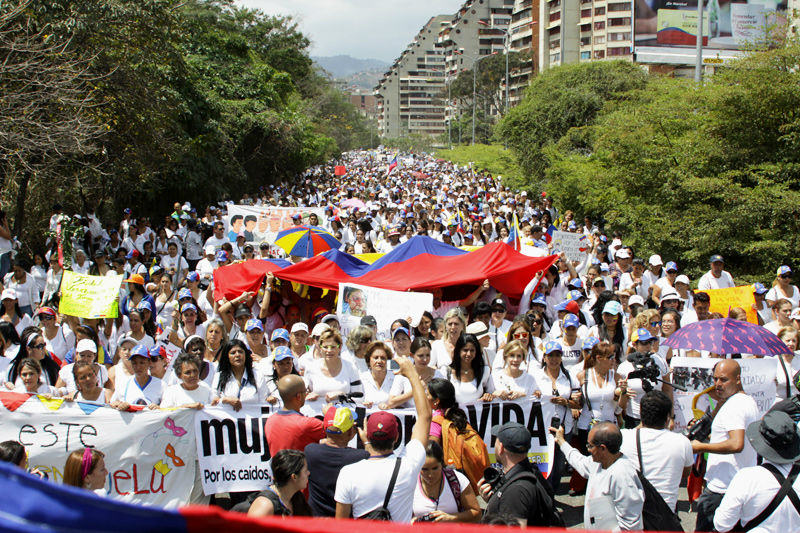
471	379
782	288
400	395
781	311
512	382
377	380
443	495
24	285
442	349
85	351
30	374
85	376
236	381
527	332
330	376
191	392
788	364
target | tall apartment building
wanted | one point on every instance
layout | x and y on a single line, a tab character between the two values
524	31
559	34
606	29
409	95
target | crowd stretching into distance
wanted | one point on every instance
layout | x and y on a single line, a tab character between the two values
566	342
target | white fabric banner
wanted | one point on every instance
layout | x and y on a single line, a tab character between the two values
696	374
233	454
149	455
572	244
386	306
263	222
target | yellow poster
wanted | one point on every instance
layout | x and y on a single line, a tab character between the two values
722	300
87	296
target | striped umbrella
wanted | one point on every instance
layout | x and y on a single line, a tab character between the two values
306	241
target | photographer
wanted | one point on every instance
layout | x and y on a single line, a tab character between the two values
641	373
520	490
728	450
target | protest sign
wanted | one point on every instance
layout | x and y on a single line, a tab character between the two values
149	455
357	301
261	223
233	454
574	245
696	375
87	296
722	300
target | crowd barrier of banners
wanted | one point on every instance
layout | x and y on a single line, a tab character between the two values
87	296
385	305
574	245
696	375
263	222
151	456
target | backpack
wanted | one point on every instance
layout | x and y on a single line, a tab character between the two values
547	514
656	514
465	451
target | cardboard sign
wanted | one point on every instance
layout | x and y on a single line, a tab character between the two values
87	296
722	300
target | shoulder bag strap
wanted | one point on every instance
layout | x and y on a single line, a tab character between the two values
788	379
639	451
391	483
586	392
786	486
455	488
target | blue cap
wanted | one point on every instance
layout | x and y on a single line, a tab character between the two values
189	306
716	258
571	321
553	346
562	306
185	293
193	276
613	307
644	335
157	351
759	288
139	350
401	330
576	295
296	216
576	283
572	224
604	267
253	323
144	305
539	299
589	343
281	334
222	256
282	352
671	266
133	253
783	269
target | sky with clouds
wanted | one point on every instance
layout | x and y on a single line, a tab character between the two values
378	29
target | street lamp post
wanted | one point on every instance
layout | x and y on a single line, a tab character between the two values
474	94
698	60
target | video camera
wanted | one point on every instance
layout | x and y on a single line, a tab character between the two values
646	369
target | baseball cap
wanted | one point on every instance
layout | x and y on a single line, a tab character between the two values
539	299
188	307
622	253
222	256
86	345
210	250
282	352
339	419
716	258
45	311
127	338
478	329
783	269
552	346
576	295
281	334
589	343
670	294
382	427
368	320
133	253
299	326
682	278
242	311
8	294
577	283
329	316
670	266
514	436
319	329
644	335
499	302
759	288
655	260
157	351
401	330
139	350
635	300
252	324
193	276
184	293
296	216
135	278
571	321
144	305
613	308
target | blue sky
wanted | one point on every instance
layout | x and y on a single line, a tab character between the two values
378	29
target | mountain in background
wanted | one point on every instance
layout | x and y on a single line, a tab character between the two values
343	66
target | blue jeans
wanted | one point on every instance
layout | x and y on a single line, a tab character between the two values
5	264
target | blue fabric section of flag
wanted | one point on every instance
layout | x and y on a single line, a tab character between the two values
350	265
414	247
33	505
280	263
548	235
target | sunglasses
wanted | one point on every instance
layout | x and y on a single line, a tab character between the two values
41	346
655	324
365	341
785	276
521	335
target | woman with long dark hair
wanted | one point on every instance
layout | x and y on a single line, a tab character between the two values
236	381
285	496
609	326
444	405
471	378
33	346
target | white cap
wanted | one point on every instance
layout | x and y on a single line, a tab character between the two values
655	260
9	294
210	250
86	345
622	253
299	326
795	314
683	278
670	294
128	338
318	330
635	300
478	329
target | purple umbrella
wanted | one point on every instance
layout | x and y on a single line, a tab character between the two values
726	336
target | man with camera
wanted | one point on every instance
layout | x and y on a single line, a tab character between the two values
728	450
614	494
520	490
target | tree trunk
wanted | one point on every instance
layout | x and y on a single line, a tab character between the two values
22	193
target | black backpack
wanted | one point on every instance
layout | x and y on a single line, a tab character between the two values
382	513
656	514
547	514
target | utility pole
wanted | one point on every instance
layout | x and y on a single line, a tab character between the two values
698	57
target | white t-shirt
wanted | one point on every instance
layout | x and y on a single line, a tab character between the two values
65	373
525	383
176	395
471	391
373	393
131	392
346	381
571	354
708	281
440	357
775	294
664	454
363	484
736	413
246	392
446	502
781	375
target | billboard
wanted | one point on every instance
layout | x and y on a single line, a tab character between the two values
665	31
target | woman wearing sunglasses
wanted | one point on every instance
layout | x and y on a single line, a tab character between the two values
522	332
782	288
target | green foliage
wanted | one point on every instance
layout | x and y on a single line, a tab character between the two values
491	157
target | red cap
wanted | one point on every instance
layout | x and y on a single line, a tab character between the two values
573	308
382	426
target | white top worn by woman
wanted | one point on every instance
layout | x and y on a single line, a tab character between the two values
65	373
246	392
176	395
600	398
346	381
134	394
372	392
447	501
525	383
471	391
565	385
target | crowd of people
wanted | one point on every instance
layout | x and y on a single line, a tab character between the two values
567	341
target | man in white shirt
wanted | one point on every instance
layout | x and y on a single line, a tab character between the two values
700	311
206	266
218	239
728	450
361	487
776	438
665	456
716	278
614	494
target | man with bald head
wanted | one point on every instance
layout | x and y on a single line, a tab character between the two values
614	493
728	449
288	429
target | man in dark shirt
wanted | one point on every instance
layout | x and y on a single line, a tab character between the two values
327	458
522	492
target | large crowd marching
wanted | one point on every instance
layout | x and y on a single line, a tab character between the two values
566	342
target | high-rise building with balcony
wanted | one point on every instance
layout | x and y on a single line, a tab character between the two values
606	29
524	35
409	95
559	34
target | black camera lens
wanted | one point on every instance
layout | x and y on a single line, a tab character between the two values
492	476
